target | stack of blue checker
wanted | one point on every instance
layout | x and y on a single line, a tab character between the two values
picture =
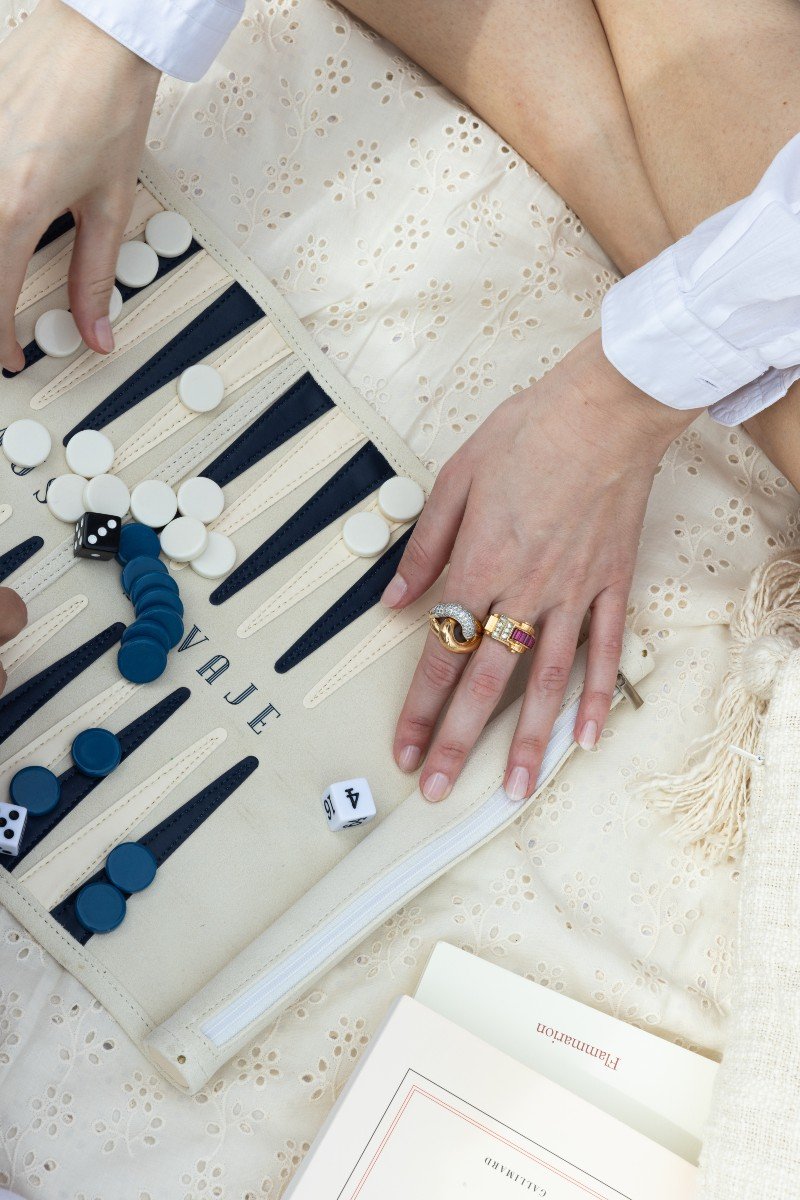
142	656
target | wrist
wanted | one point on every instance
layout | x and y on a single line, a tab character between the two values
627	413
93	44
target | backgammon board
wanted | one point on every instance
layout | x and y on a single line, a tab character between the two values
285	676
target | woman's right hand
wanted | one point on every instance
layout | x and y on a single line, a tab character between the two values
74	110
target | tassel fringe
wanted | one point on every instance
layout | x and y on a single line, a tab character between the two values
709	798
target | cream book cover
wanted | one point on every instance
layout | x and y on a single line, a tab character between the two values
660	1089
435	1113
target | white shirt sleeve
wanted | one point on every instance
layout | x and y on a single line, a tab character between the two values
714	321
180	37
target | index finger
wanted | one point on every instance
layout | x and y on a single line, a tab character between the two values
16	247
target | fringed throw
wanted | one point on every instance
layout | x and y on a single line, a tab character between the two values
709	798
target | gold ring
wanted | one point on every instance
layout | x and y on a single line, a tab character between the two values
456	627
516	636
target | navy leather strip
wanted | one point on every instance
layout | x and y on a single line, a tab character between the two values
62	224
360	475
304	402
230	313
166	837
165	265
34	354
13	559
76	786
365	592
17	706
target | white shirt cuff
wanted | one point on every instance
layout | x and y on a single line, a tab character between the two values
180	37
656	342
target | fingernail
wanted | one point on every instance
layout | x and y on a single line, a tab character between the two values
408	757
588	738
102	331
436	786
394	591
517	786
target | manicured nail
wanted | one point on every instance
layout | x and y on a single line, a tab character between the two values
102	331
408	757
394	591
517	786
436	786
588	738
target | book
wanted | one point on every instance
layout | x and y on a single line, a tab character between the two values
435	1112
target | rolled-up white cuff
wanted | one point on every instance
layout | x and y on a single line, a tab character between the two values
180	37
656	342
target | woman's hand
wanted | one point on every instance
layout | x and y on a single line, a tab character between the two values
539	516
74	108
13	619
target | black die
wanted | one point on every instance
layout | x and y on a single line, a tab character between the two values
97	535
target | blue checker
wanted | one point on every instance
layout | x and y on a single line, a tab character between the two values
142	659
157	598
151	579
136	540
142	627
139	566
96	752
36	789
131	867
169	619
100	907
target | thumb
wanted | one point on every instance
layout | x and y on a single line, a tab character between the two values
91	273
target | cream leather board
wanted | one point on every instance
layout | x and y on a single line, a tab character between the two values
230	750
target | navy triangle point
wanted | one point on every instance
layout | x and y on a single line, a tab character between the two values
296	409
33	352
76	786
362	474
357	600
165	838
17	706
230	314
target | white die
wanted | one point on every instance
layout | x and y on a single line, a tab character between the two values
12	825
348	803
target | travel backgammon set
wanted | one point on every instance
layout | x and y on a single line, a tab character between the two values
206	653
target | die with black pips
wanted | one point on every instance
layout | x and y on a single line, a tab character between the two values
348	803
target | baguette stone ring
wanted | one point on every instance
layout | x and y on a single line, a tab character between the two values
456	627
516	636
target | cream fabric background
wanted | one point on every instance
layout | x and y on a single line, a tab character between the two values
441	273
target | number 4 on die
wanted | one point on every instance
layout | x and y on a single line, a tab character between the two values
348	803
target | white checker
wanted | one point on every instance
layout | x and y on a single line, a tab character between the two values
201	388
65	498
169	234
89	453
401	499
107	494
217	559
114	305
26	443
137	264
366	534
184	538
57	334
201	498
153	503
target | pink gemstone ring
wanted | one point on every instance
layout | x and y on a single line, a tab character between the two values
516	636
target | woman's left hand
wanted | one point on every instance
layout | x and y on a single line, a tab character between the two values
539	515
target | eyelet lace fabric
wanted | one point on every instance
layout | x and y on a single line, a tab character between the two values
441	274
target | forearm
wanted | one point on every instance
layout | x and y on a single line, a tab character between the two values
777	431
